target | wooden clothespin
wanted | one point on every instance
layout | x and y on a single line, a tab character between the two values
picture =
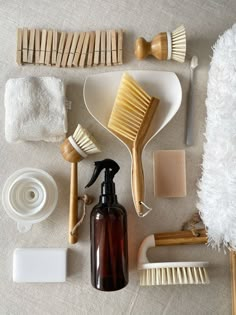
48	48
108	51
25	45
114	47
120	47
61	49
67	49
31	46
72	49
78	49
37	45
103	48
54	47
96	59
19	46
43	46
84	50
91	49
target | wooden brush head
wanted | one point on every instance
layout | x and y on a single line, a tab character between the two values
79	146
132	112
158	47
69	153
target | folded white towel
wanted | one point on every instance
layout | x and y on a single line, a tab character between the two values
35	109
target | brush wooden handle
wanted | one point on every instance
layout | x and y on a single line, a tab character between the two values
73	210
180	238
136	151
233	280
158	47
137	180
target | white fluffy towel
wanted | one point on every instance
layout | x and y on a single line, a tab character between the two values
217	187
35	109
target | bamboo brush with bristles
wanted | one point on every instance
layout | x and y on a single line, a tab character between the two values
74	149
172	273
130	120
164	46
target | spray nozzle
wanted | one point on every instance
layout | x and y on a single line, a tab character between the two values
111	168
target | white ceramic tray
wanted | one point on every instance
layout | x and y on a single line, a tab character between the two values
100	92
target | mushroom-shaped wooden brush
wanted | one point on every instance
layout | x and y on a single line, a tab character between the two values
164	46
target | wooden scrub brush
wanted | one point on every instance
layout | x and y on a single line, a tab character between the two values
74	149
130	119
164	46
170	273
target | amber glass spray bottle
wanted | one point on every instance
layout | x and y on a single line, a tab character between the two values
108	233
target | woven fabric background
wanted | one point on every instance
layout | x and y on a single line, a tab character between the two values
204	22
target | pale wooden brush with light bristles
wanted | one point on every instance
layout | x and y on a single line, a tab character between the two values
164	46
172	273
130	120
74	149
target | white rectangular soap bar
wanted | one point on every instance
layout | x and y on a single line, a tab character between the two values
39	264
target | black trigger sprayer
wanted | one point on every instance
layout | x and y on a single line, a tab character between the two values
108	233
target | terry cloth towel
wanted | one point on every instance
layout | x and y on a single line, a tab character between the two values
217	187
35	109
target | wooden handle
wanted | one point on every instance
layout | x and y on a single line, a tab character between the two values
233	280
158	47
137	179
180	238
73	210
137	148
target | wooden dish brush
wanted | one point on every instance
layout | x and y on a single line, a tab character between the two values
74	149
164	46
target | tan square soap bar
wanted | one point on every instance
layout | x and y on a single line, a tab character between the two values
169	173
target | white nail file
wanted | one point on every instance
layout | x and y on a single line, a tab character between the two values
39	265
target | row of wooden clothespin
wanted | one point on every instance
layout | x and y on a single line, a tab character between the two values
62	49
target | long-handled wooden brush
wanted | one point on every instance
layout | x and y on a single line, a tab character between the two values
130	119
74	149
170	273
164	46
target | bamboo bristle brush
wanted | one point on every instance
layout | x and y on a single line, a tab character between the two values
130	119
172	273
74	149
164	46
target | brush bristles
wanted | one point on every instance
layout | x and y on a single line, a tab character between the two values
172	276
178	40
85	141
130	107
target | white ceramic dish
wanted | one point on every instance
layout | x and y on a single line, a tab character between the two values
100	92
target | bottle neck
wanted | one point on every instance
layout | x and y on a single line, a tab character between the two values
108	199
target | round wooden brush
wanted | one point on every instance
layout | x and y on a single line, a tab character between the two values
164	46
74	149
